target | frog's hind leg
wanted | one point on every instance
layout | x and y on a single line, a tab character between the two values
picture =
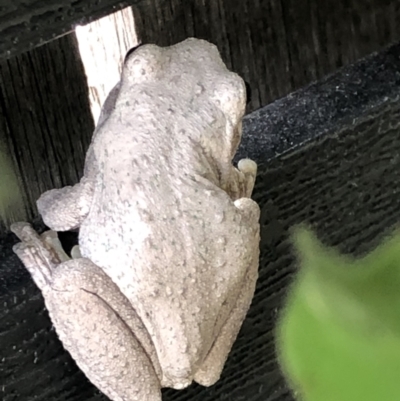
213	364
210	371
94	321
103	333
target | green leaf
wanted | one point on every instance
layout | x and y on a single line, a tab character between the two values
338	337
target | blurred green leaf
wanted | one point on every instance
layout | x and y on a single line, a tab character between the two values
338	337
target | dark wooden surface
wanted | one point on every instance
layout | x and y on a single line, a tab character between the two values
345	180
25	24
277	46
45	118
328	155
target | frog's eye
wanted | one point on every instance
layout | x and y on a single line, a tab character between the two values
143	63
230	96
132	50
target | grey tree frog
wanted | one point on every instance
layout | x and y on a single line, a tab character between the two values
168	235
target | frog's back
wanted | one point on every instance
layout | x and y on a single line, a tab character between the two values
159	224
181	267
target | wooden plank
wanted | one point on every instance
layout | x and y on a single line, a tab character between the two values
46	120
327	155
103	45
25	24
44	115
277	46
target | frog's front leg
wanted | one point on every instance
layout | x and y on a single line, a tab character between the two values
211	369
65	208
95	322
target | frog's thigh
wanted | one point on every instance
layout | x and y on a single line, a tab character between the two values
211	368
101	343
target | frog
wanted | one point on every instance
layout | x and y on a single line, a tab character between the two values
167	263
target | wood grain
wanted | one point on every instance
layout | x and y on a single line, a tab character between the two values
46	119
328	154
103	45
338	170
277	46
25	24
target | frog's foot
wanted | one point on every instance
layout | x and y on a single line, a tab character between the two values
51	238
93	319
249	170
40	254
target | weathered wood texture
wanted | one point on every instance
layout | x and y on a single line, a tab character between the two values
45	118
277	46
25	24
103	45
328	155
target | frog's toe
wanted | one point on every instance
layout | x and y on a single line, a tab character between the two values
248	169
51	239
24	231
76	252
247	166
38	261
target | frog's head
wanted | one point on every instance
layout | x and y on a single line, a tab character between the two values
143	64
192	77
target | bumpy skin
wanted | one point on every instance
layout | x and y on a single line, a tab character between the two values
169	236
